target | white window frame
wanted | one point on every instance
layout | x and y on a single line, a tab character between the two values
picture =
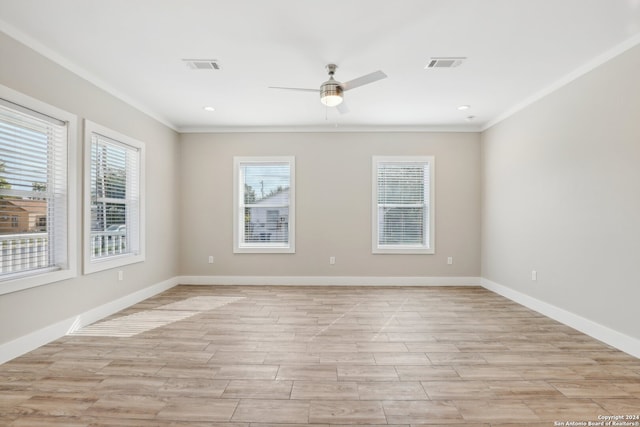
428	246
239	246
69	270
116	260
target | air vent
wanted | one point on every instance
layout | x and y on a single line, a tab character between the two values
445	62
203	64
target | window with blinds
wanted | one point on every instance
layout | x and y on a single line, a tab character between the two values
263	204
113	192
34	193
403	204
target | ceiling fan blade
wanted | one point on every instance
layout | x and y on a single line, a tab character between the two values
342	108
295	88
363	80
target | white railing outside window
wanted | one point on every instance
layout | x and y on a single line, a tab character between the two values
23	252
107	243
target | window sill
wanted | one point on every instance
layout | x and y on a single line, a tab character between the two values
264	250
107	263
402	251
31	281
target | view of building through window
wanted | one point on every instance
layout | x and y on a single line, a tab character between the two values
264	207
266	202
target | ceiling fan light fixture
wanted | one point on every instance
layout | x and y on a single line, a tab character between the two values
331	93
331	100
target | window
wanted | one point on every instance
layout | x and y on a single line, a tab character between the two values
114	199
403	205
264	208
37	146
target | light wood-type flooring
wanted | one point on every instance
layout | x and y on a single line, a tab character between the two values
264	356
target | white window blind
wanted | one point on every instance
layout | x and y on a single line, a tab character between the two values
114	211
403	205
264	208
33	192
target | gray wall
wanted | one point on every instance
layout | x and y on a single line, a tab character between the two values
333	203
26	311
561	195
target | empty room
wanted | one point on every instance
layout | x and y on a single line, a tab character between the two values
263	213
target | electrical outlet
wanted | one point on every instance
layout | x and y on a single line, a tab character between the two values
211	259
450	260
332	260
534	275
120	275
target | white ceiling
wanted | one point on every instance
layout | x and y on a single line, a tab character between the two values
516	51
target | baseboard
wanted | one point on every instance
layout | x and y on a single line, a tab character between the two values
33	340
328	281
602	333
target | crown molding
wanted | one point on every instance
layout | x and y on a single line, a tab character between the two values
574	75
50	54
328	129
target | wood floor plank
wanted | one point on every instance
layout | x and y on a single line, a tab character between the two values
496	411
325	390
346	412
127	406
194	387
400	390
421	412
272	411
307	372
198	409
258	389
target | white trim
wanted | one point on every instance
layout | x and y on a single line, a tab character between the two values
595	330
376	248
48	53
94	265
72	195
35	339
329	281
574	75
239	247
331	128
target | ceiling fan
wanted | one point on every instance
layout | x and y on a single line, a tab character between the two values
331	90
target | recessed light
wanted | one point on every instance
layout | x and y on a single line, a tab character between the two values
464	107
208	109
